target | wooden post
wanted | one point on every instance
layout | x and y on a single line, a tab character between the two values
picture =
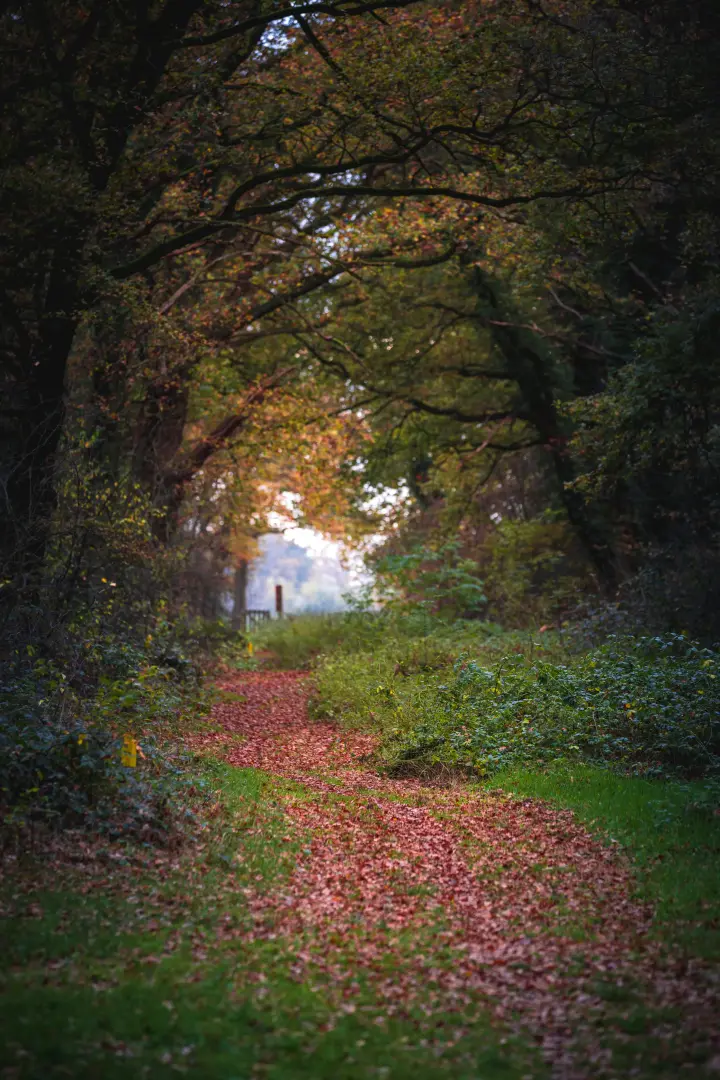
240	599
278	601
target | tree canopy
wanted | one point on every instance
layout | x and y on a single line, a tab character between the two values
465	253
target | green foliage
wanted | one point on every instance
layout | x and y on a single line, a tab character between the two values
55	774
646	705
430	579
650	448
655	422
392	633
390	681
650	706
294	642
529	571
61	740
114	653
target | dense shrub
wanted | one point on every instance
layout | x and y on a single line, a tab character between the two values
430	579
533	569
61	739
645	705
59	777
651	706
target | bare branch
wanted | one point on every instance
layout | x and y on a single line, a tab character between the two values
291	13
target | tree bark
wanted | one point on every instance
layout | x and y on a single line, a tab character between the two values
240	598
34	413
532	370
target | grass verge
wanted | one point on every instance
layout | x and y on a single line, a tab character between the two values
515	714
301	641
671	831
122	966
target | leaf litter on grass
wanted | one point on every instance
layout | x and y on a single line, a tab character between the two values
447	900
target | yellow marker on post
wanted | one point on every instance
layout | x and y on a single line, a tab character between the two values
128	753
250	648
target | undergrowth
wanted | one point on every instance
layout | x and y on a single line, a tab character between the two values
90	739
650	706
303	641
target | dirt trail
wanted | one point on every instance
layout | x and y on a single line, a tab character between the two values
474	897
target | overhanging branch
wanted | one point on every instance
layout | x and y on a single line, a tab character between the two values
287	13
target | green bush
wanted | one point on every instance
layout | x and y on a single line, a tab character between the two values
60	777
435	580
650	706
308	640
644	705
61	739
533	570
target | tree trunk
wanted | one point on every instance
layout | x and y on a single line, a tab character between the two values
533	371
34	412
240	604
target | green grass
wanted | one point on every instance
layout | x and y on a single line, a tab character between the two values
670	831
299	641
294	642
139	977
669	828
148	974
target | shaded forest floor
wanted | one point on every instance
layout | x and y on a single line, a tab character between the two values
334	921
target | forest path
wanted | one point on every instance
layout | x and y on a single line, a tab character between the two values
448	899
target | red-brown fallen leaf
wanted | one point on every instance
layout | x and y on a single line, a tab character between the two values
496	883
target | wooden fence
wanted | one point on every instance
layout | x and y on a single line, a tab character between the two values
249	619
